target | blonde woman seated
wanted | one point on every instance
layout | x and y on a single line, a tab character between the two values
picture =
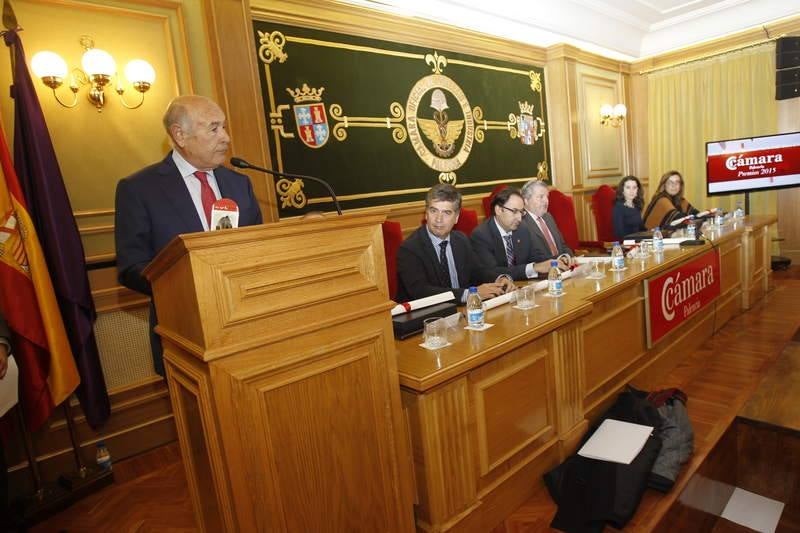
668	202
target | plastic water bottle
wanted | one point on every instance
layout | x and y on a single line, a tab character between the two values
738	213
617	257
691	230
719	218
103	457
658	241
555	286
475	312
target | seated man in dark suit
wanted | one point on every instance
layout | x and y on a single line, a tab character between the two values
548	243
175	195
436	259
501	244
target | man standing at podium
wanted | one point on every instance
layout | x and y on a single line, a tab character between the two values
436	259
175	195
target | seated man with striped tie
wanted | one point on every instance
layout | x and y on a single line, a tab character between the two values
435	258
502	244
548	243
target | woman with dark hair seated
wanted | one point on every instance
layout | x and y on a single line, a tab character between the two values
668	202
627	214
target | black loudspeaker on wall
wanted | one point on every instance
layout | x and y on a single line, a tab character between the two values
787	63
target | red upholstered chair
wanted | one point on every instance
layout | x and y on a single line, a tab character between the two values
487	201
392	239
563	211
467	221
602	206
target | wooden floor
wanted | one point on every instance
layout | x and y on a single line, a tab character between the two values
151	495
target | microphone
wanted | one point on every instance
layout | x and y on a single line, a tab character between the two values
241	163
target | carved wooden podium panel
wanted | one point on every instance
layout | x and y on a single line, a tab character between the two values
281	367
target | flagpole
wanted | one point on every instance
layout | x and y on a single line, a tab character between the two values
76	451
33	466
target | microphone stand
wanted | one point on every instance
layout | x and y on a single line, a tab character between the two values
241	163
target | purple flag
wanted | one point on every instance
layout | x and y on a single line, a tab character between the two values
49	207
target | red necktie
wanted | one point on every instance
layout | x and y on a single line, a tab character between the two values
547	235
207	195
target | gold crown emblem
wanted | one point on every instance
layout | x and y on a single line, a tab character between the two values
525	108
306	94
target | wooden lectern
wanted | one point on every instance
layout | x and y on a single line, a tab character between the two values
281	368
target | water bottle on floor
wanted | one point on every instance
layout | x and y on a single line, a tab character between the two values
103	457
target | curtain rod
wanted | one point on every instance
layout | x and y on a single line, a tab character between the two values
713	54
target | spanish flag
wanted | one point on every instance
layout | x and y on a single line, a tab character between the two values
48	374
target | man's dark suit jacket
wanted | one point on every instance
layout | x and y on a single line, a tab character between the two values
541	252
152	207
419	273
491	249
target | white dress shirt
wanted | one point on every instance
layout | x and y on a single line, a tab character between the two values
187	171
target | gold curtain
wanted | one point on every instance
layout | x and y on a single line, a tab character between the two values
724	97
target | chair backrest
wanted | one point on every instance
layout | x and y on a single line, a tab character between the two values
467	221
602	207
487	201
563	212
392	239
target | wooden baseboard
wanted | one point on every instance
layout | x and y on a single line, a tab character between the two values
141	419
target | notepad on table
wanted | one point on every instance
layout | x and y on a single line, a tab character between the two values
616	441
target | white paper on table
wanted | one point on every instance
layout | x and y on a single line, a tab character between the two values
584	259
428	301
9	387
616	441
498	300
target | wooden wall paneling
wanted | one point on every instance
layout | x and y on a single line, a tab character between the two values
196	421
729	303
605	363
570	385
443	449
637	120
230	33
603	148
561	105
141	419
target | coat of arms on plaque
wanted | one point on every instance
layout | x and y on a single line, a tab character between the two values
310	118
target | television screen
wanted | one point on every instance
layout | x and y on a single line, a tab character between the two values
753	164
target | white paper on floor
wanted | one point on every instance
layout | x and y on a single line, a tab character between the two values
754	511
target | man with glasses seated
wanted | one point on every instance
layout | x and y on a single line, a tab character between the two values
436	259
502	245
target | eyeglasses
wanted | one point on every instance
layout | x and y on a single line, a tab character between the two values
513	212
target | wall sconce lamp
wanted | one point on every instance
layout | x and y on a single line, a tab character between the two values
612	115
98	69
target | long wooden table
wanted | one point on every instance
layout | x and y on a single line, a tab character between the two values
490	413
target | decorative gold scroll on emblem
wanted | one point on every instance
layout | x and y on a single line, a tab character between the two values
442	132
448	177
536	81
291	193
485	125
395	122
271	47
542	171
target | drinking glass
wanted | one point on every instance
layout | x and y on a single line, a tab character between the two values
435	333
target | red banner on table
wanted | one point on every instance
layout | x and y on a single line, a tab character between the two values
768	163
676	295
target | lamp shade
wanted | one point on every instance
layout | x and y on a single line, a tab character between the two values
606	110
620	110
96	61
140	70
47	63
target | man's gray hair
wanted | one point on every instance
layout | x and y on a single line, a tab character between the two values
444	192
527	189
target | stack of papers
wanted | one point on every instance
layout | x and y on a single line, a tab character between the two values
616	441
